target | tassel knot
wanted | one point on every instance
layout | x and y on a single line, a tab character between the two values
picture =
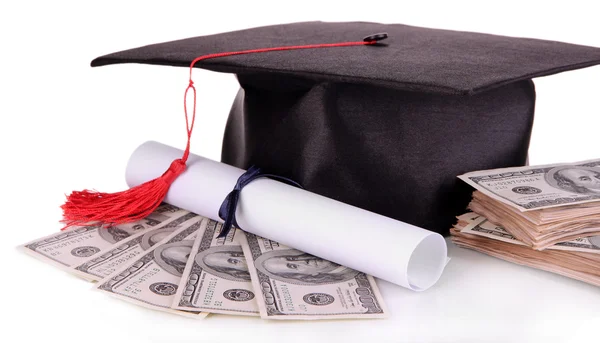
177	167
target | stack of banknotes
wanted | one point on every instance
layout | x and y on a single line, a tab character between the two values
546	217
174	261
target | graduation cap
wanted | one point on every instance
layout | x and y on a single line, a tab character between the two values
382	125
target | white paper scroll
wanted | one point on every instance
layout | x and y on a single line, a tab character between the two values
383	247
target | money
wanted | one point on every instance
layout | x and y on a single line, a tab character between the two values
295	285
534	188
152	279
469	217
480	226
540	228
216	278
491	240
110	260
540	206
584	244
77	244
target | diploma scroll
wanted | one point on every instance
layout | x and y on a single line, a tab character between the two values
380	246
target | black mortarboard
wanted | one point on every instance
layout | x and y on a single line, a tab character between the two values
385	127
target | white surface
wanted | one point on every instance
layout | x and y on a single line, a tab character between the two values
66	126
401	253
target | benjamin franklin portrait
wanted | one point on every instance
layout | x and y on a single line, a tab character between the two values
294	266
575	179
173	257
224	261
117	233
149	239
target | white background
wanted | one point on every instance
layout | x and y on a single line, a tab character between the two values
65	126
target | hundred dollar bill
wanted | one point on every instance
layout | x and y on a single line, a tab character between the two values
480	226
110	260
152	279
469	217
295	285
216	278
77	244
534	188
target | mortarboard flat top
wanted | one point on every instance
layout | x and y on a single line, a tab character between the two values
377	127
414	58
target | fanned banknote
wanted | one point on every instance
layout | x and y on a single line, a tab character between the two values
112	259
293	285
77	244
534	188
216	278
152	279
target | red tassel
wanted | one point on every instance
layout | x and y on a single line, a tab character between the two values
87	206
106	209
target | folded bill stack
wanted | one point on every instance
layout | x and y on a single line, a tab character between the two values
545	217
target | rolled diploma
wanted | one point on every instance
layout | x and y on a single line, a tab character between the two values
380	246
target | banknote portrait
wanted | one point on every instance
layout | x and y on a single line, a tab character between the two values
225	261
149	239
167	208
117	233
172	257
297	267
575	179
157	217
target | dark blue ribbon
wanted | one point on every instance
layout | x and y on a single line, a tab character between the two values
229	205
